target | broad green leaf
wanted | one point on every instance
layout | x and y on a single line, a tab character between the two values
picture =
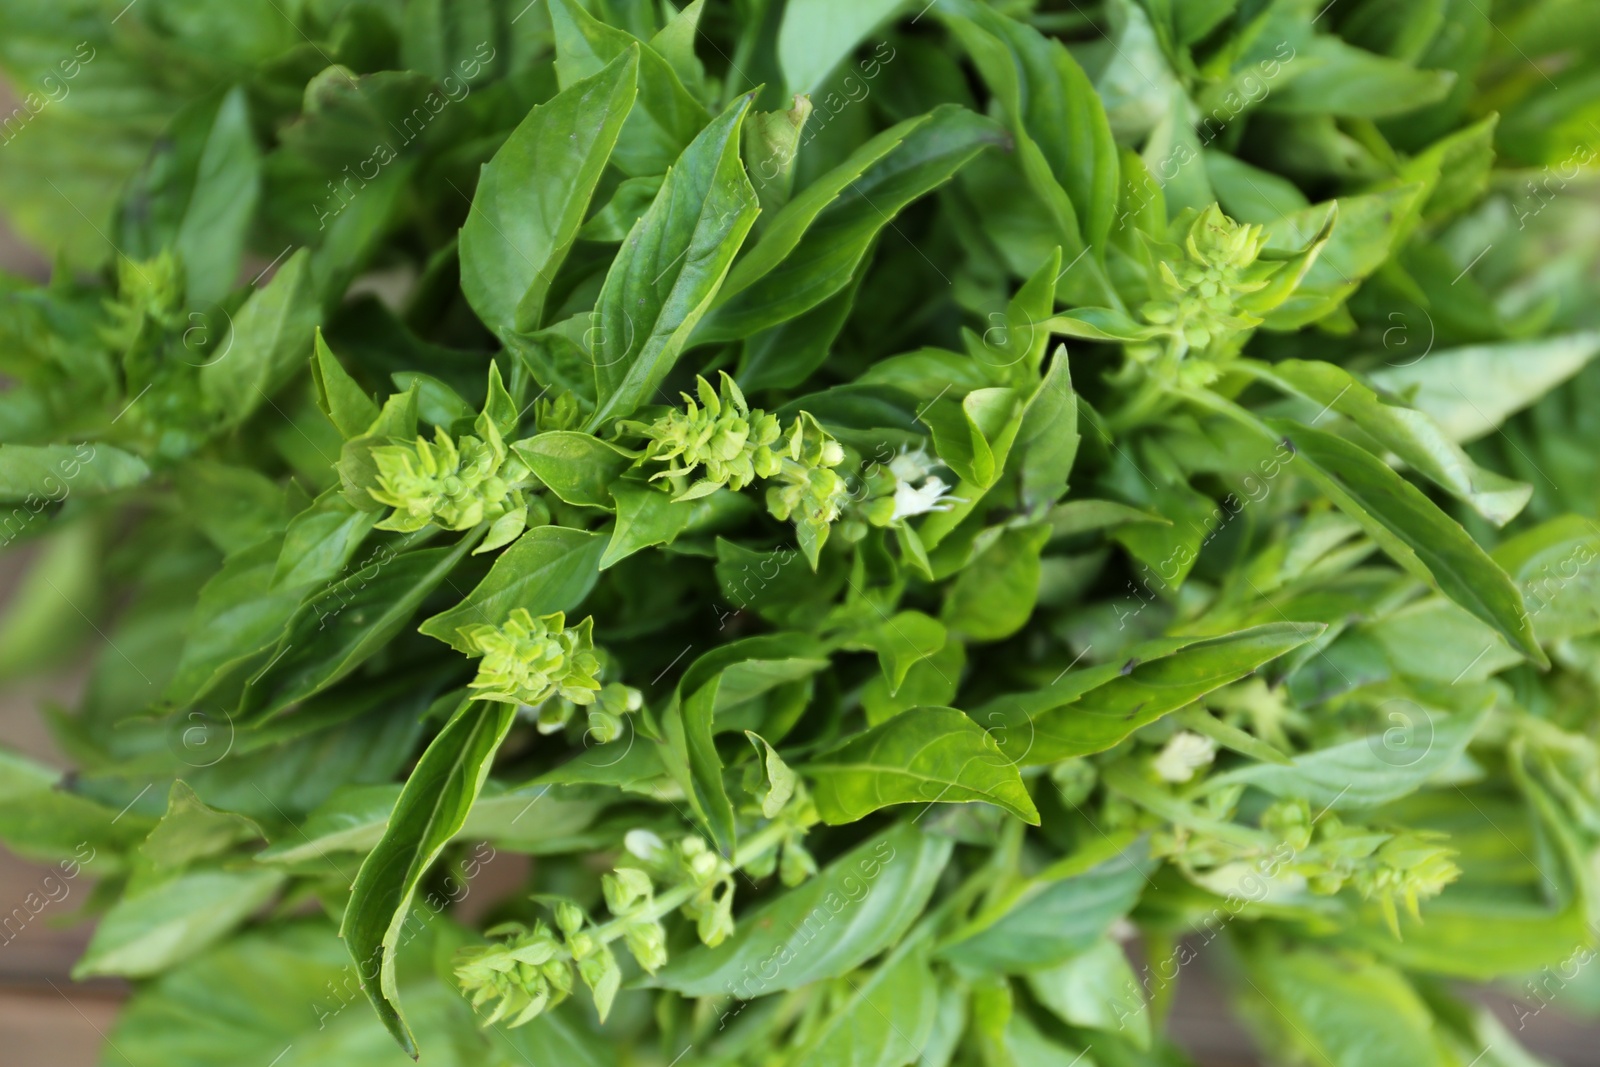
1411	435
664	119
163	923
1063	138
930	682
287	992
885	1019
350	409
1416	742
272	336
321	541
533	195
353	819
548	569
1046	920
239	615
45	823
925	755
192	830
577	467
1412	530
1334	78
37	474
1366	230
901	642
993	596
815	36
813	247
1048	437
1081	516
1343	1010
1096	989
1552	564
432	808
1471	391
646	516
1090	709
974	437
340	627
670	266
860	904
687	726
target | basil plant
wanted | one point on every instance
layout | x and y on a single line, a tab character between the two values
789	532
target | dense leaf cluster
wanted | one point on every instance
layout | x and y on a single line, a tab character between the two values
1014	489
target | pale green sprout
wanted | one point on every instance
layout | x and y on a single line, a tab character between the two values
528	660
454	485
720	436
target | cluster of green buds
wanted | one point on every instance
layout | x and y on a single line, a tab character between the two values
606	712
1321	855
810	491
454	485
729	444
525	974
630	895
720	436
528	660
147	290
1408	866
1198	286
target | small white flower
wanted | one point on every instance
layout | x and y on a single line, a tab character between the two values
932	495
645	844
911	466
1184	754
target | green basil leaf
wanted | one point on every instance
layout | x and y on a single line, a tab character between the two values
1471	391
268	342
1047	919
664	119
347	406
432	808
925	755
885	1019
646	516
813	247
321	541
871	895
577	467
166	922
670	267
547	569
995	595
35	474
1411	435
533	195
1091	709
1096	989
342	626
1413	531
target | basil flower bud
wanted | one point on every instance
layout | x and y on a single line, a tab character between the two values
528	660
